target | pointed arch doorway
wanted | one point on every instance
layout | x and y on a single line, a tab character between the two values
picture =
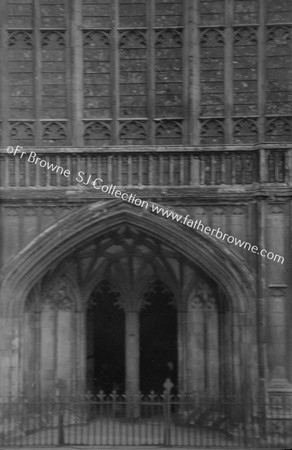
92	245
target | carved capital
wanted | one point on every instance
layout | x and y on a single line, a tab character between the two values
132	305
203	298
58	297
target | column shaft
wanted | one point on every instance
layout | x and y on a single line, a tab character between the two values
132	362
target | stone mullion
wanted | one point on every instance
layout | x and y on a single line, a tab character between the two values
261	70
228	72
4	74
194	72
38	73
115	58
185	74
76	89
68	71
151	70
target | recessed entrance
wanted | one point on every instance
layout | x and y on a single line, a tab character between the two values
105	341
158	339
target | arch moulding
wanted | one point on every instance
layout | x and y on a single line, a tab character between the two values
81	227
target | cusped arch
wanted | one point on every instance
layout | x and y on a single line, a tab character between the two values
81	227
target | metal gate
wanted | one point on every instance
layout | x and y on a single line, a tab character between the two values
182	420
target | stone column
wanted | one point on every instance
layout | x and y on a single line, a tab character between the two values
132	346
132	307
9	357
182	350
203	337
56	340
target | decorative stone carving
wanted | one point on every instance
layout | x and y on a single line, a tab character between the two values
133	129
58	297
54	133
169	38
97	131
278	127
279	35
53	39
212	130
245	36
21	131
168	128
132	39
20	39
96	39
203	298
104	288
157	286
212	37
132	304
245	127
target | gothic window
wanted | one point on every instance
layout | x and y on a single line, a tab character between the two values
212	12
133	72
212	72
35	66
278	70
279	11
145	72
245	76
246	11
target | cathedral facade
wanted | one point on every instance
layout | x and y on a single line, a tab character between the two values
182	104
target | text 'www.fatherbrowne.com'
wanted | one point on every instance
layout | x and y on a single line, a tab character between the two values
216	232
97	183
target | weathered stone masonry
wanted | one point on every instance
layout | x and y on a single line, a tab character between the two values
187	104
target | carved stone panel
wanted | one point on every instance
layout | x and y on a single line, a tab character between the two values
58	297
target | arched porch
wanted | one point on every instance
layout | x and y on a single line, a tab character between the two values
46	290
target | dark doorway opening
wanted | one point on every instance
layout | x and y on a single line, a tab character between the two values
158	339
105	341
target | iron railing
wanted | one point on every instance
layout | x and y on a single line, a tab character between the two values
181	420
